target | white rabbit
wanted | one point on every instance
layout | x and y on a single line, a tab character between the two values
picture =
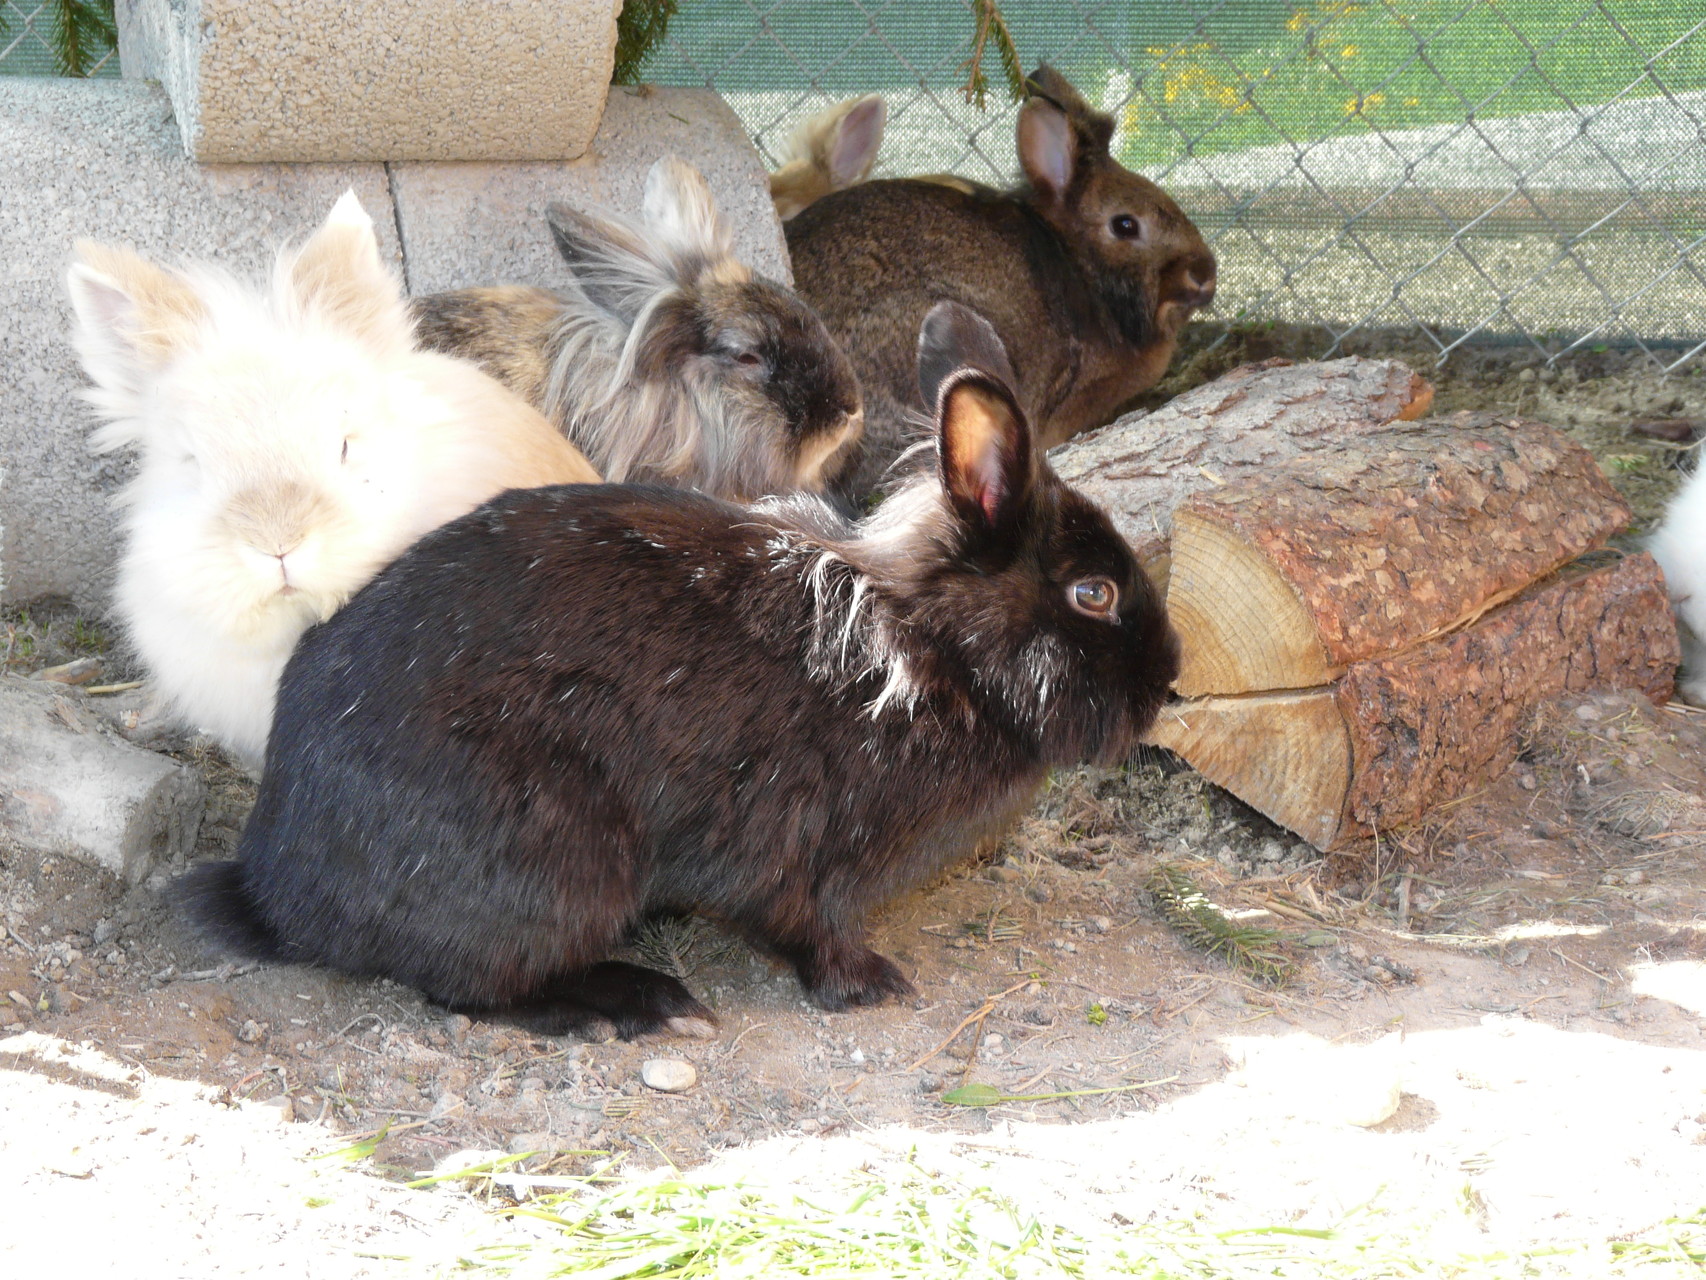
1680	548
291	442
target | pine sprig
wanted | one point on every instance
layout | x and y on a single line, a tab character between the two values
639	31
992	26
83	31
1187	909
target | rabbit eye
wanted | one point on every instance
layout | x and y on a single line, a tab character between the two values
1094	597
1125	227
748	358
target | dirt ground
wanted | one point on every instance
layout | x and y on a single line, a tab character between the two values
1531	963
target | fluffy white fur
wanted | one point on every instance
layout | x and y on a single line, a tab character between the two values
291	441
1680	548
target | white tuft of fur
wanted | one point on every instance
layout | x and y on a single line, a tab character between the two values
1679	546
291	441
854	576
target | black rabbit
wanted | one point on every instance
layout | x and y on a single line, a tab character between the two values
580	705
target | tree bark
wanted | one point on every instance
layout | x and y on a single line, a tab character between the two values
1282	580
1142	466
1398	736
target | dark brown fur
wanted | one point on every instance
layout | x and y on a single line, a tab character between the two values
584	704
1090	319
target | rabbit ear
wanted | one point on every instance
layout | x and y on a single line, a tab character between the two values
1059	133
954	337
681	215
615	268
338	275
132	318
851	147
985	443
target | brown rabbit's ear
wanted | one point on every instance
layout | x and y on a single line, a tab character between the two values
132	319
338	275
984	441
1059	133
616	269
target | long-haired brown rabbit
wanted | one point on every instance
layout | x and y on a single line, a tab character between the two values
1087	271
665	360
581	705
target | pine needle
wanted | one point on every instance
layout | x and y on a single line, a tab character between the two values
1187	909
83	30
991	25
640	29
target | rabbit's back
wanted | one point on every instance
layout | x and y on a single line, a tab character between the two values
606	712
874	258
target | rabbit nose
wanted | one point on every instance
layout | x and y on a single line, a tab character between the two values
1196	288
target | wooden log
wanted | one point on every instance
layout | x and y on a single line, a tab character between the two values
1396	737
1285	579
1141	466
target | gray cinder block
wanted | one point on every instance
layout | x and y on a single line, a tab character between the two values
408	79
476	224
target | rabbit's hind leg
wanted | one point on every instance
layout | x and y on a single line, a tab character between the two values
611	997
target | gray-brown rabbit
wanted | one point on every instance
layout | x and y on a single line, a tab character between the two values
1087	271
663	358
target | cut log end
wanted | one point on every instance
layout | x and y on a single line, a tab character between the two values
1287	755
1244	627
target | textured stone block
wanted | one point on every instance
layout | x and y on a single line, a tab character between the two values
101	159
73	788
404	80
475	224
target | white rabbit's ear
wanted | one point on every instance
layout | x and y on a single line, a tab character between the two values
132	319
681	217
338	275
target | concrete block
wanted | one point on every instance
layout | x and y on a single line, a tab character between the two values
476	224
74	788
101	159
409	79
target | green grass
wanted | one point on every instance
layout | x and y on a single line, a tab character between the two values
1341	67
901	1223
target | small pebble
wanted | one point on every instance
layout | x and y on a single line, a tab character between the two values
1587	711
252	1032
668	1075
928	1083
1006	875
281	1109
1099	924
994	1040
458	1025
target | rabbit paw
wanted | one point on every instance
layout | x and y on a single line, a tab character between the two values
858	976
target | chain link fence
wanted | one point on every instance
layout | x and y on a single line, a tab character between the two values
1515	170
27	40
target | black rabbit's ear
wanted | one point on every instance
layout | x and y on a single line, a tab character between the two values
985	443
954	337
986	451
